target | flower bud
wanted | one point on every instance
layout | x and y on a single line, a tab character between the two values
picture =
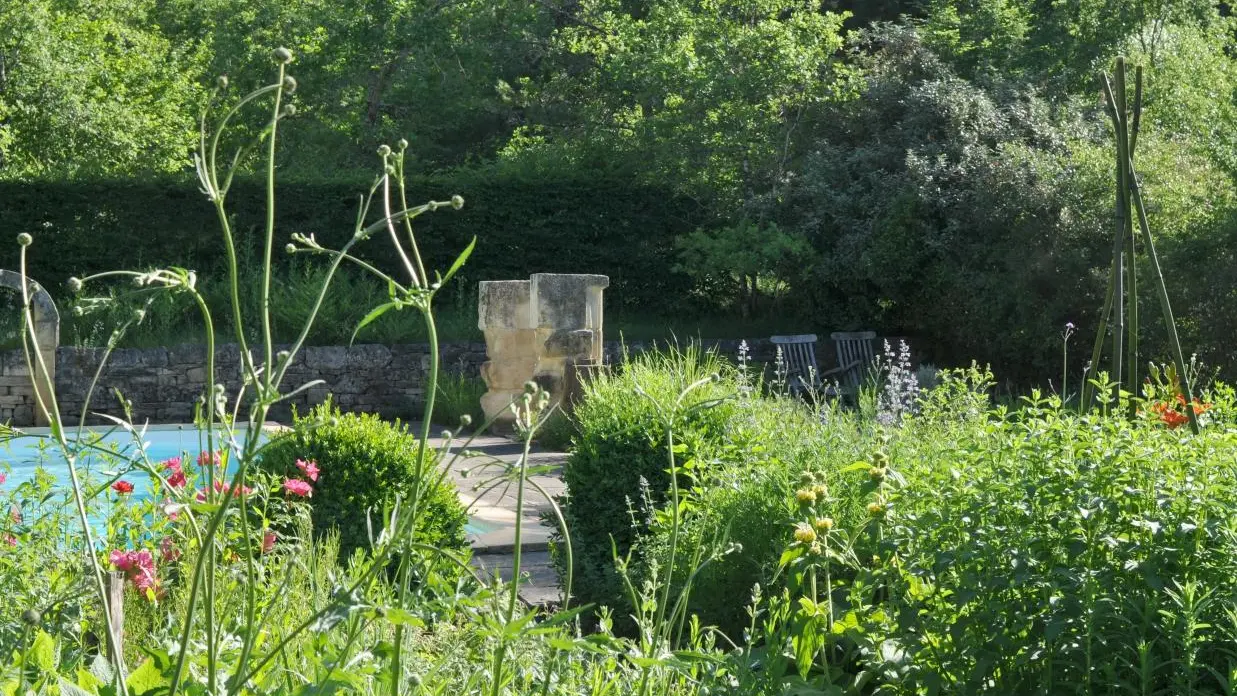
823	524
384	150
291	248
25	239
457	201
139	315
78	310
75	284
403	144
289	110
877	473
805	496
222	81
282	356
465	420
283	55
875	509
289	84
804	534
32	617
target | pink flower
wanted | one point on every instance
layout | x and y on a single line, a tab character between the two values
220	486
3	477
15	514
176	478
122	487
298	487
138	567
268	541
205	458
167	549
10	540
309	468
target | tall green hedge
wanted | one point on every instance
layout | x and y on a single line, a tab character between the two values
569	225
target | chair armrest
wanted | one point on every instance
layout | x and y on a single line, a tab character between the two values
843	368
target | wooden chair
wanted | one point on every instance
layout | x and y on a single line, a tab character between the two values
799	359
856	354
854	351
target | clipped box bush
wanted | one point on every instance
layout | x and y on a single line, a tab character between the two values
618	473
365	464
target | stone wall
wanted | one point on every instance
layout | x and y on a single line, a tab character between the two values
163	384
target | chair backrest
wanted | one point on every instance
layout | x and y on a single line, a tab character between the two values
855	351
799	353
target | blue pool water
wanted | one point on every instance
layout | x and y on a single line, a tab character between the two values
21	457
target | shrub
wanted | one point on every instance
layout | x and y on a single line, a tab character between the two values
365	464
618	473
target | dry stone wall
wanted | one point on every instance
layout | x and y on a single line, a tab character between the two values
162	385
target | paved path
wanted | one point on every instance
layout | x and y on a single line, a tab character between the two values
479	475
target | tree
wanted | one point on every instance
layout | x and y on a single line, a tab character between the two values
709	98
87	89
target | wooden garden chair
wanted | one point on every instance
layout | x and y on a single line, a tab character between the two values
803	374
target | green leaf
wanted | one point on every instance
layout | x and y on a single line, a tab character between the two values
68	688
43	653
146	678
372	316
459	261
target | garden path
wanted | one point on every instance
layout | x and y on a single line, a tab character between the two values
493	512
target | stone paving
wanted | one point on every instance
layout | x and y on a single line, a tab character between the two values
493	511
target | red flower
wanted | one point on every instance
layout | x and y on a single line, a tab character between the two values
3	476
122	487
268	541
205	458
298	487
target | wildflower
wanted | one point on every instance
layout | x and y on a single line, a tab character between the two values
821	491
167	550
268	541
298	487
122	487
220	487
176	473
309	468
875	509
10	540
804	534
205	458
805	496
877	473
823	524
139	568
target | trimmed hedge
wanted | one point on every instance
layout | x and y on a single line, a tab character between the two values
365	463
567	225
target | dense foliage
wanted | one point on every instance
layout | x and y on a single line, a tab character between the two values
365	465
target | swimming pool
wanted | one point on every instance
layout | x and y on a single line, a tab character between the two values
23	456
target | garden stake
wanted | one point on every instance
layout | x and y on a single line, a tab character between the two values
1121	301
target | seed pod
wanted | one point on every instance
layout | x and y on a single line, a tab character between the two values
25	239
75	284
289	84
457	201
384	150
283	55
